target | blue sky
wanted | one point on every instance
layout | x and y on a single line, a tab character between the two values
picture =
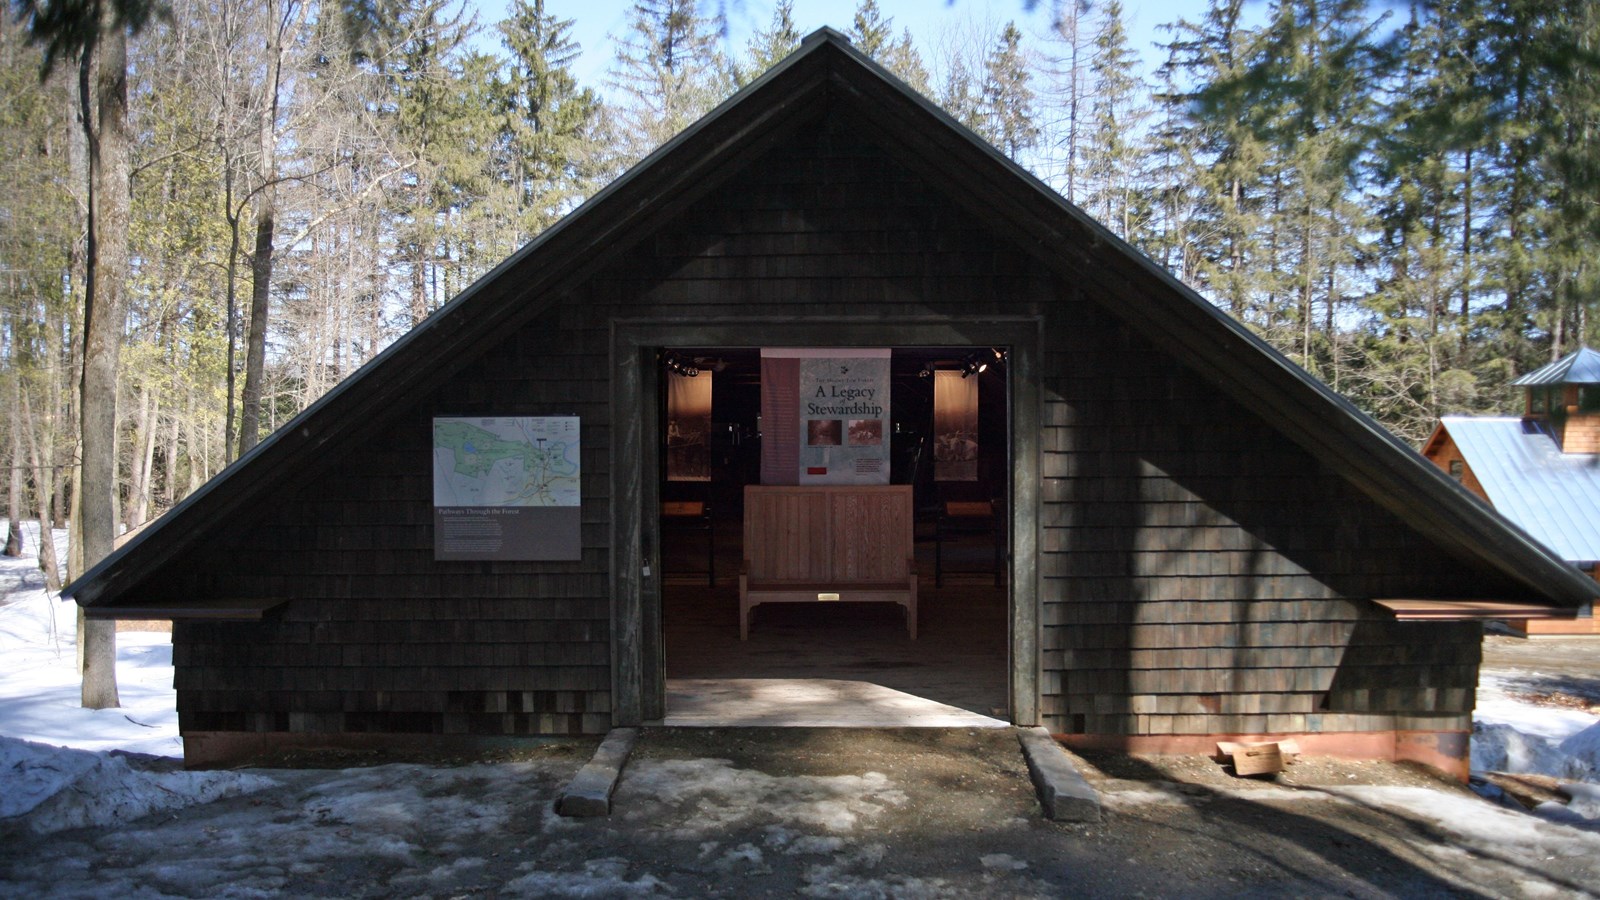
927	19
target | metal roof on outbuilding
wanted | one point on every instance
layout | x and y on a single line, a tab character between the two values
1553	496
1581	366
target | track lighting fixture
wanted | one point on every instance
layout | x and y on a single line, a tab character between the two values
974	365
673	364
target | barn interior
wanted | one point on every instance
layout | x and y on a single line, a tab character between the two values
837	663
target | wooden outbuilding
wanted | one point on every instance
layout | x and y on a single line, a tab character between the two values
1198	540
1540	470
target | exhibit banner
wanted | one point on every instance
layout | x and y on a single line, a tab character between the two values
689	427
955	426
507	488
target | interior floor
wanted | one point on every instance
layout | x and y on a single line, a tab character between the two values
837	664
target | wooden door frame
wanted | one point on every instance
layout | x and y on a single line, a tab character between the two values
638	675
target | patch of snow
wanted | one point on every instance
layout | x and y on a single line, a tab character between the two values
40	690
446	874
1478	824
1585	799
599	878
1531	739
743	856
50	789
828	881
1002	861
815	844
727	795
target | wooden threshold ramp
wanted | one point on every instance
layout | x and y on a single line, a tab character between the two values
808	703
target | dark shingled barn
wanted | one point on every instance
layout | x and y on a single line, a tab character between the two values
1199	539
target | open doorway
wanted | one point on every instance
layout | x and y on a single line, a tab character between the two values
946	438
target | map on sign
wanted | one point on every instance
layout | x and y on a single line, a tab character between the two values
501	462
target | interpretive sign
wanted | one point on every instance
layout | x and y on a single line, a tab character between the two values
506	488
844	401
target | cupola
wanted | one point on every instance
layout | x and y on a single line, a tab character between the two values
1564	397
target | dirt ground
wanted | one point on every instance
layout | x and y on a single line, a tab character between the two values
1548	671
816	812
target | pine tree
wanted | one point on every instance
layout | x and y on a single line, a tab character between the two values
668	70
1005	101
905	61
1314	79
1116	123
424	78
766	47
961	97
1221	127
1414	366
870	32
550	120
873	34
1568	217
1174	195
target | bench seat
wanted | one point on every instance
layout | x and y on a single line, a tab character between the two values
827	544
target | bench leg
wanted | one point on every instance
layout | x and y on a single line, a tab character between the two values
744	608
911	609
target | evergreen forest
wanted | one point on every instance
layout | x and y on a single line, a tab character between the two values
212	211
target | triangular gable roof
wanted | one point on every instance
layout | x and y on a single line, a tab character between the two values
827	73
1581	366
1553	496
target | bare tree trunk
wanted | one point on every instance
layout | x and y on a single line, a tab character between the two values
1466	242
48	561
255	360
139	480
233	314
14	493
70	489
169	469
103	314
199	442
75	563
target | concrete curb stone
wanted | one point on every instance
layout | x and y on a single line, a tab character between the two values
589	793
1063	793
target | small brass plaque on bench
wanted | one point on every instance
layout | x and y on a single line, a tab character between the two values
827	596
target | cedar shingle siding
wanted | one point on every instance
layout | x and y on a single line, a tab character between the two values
1195	563
1211	524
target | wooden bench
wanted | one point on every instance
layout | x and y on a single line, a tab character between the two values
827	543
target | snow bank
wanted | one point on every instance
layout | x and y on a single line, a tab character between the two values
1516	737
49	789
57	765
40	689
